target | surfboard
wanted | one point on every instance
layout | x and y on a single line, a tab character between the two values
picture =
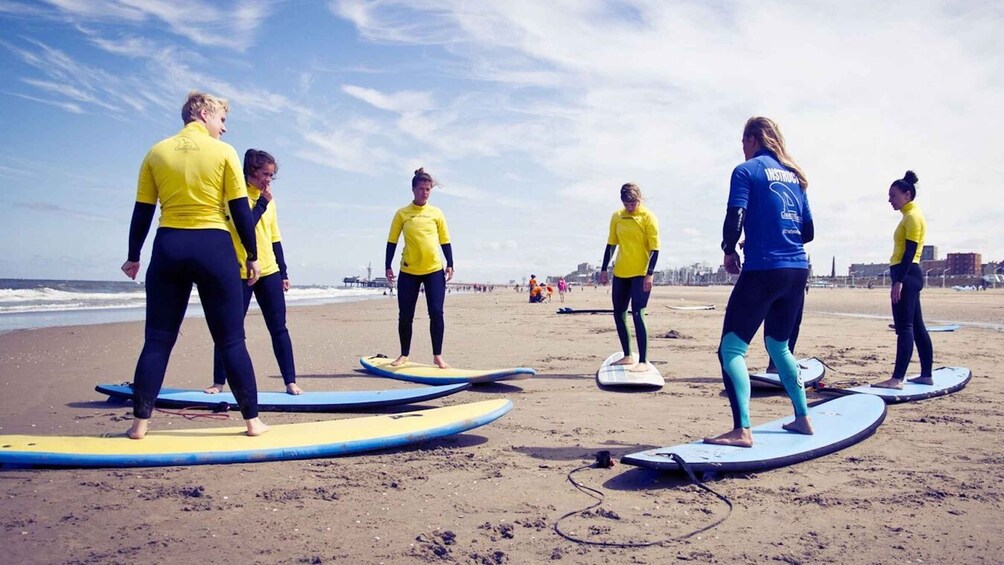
706	307
281	402
586	311
811	371
231	445
837	425
433	375
945	328
946	381
619	376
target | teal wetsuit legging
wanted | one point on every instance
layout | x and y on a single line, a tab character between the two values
630	292
773	298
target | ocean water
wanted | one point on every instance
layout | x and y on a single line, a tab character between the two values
36	303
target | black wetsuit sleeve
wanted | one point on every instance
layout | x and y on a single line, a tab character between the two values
653	258
448	252
732	228
808	232
139	227
279	258
389	256
241	213
908	254
258	210
607	254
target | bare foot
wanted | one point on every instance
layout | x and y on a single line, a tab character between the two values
800	425
640	368
138	429
256	427
439	362
626	360
896	384
214	389
739	437
922	380
291	388
399	361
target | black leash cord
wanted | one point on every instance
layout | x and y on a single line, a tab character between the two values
599	496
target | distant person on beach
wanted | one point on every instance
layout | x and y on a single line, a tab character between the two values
907	282
767	200
260	169
197	180
635	230
562	287
550	292
425	232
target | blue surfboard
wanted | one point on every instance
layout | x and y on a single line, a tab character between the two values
281	402
930	329
203	446
838	423
810	372
946	381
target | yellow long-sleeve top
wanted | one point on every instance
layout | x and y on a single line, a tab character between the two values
266	232
425	231
913	226
636	236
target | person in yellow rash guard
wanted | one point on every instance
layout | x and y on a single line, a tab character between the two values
634	231
196	178
260	169
425	232
907	282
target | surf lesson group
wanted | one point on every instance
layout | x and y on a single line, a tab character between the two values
214	209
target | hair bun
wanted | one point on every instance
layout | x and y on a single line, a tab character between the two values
419	170
910	177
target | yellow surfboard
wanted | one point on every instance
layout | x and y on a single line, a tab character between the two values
232	445
433	375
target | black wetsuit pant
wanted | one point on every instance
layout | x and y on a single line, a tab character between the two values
408	287
630	293
272	302
206	259
909	322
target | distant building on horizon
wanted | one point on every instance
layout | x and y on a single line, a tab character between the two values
965	264
929	253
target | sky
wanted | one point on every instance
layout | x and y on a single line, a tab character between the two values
531	115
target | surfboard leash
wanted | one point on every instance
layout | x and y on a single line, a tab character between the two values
603	461
214	415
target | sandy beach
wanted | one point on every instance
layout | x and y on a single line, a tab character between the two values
926	488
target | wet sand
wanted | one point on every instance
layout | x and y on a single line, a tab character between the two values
926	488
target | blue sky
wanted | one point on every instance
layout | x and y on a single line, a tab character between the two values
530	114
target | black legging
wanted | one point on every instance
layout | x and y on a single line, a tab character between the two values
272	302
407	297
909	322
630	292
180	259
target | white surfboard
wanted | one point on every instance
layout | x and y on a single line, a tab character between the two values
946	381
619	375
705	307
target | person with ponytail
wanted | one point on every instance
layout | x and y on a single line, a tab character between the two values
907	282
425	233
767	201
634	231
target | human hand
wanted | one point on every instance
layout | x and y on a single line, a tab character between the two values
254	272
732	263
131	269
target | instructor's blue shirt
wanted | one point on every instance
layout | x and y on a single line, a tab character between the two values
775	207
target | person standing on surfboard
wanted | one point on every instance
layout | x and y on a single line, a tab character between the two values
425	232
196	178
260	169
636	230
767	199
907	282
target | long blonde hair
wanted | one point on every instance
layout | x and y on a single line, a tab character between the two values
769	135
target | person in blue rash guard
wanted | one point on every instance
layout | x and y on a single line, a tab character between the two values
196	178
907	282
634	232
767	199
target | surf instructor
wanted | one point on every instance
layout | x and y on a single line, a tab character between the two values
197	179
425	233
907	282
767	200
635	230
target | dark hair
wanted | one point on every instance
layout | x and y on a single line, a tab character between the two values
255	159
421	176
907	184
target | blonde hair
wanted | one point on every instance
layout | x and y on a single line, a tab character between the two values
769	135
199	101
630	193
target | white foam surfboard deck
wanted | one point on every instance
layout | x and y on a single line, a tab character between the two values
620	375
